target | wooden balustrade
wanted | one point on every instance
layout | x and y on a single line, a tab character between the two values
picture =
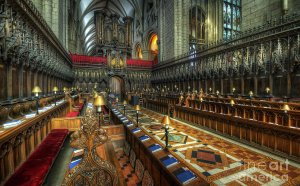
17	143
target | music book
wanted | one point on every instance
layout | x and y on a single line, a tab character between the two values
129	124
78	152
169	160
136	130
12	123
74	163
184	175
154	148
144	137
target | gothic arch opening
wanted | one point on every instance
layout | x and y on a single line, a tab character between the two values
153	46
117	86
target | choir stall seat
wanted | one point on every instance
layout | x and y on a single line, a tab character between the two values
35	169
76	111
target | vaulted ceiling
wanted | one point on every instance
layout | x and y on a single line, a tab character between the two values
123	8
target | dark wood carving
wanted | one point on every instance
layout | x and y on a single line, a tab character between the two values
92	170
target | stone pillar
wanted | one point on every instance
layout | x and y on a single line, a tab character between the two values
29	83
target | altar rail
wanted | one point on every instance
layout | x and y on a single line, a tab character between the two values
262	124
17	143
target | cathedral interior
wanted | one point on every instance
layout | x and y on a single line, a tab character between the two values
149	92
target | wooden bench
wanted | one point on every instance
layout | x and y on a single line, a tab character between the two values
35	169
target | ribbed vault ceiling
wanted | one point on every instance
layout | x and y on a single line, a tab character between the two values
123	8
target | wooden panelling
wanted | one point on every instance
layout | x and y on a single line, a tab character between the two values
18	142
3	82
73	124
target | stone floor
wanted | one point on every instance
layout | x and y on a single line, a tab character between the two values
130	177
221	161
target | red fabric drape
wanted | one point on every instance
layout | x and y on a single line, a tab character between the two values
78	59
82	59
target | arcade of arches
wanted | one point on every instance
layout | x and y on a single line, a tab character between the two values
150	92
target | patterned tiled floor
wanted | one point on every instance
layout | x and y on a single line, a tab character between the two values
219	161
130	177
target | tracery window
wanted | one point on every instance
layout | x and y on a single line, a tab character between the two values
232	18
197	26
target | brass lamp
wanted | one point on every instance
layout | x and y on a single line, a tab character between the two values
166	122
267	90
124	104
250	96
233	90
232	108
98	103
232	102
65	89
96	95
55	90
286	108
36	90
137	108
250	93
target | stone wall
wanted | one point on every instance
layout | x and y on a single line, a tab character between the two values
55	13
258	12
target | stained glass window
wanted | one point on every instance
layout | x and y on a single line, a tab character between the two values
231	18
